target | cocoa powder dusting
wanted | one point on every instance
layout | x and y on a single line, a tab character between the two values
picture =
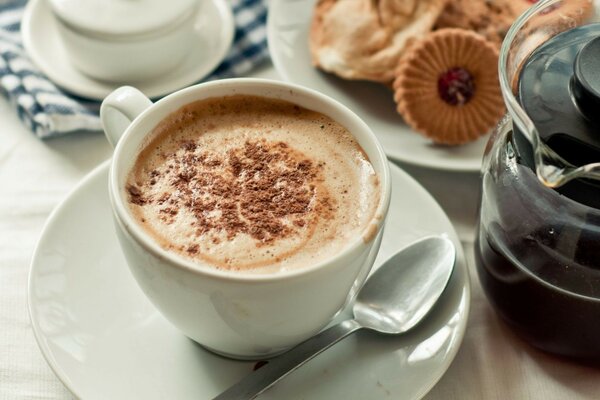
263	189
135	195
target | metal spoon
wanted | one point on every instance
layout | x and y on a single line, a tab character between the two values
393	300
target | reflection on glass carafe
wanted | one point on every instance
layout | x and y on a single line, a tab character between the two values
538	242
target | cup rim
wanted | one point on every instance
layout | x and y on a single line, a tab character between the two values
126	221
78	25
177	25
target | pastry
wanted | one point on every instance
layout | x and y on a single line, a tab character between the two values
447	87
561	16
490	18
364	39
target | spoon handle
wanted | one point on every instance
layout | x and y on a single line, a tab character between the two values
279	367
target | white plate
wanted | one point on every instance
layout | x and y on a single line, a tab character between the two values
104	340
287	28
214	30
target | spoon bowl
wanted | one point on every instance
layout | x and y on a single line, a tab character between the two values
394	300
403	290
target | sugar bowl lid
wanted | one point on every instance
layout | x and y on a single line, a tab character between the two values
121	17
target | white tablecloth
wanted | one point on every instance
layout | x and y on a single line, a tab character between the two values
35	176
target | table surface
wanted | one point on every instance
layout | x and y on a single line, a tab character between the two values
35	176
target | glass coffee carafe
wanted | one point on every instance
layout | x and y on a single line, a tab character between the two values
538	240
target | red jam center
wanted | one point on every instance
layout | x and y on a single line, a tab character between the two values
456	86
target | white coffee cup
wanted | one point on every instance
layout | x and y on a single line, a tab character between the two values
237	314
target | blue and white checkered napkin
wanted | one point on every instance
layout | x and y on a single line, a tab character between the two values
50	112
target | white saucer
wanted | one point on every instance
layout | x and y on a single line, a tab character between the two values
104	340
214	29
287	31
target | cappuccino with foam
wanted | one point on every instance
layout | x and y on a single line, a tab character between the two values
253	184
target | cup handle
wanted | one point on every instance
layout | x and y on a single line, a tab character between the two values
119	109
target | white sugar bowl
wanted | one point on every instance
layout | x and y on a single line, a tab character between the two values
126	40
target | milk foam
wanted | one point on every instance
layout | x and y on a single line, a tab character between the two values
249	183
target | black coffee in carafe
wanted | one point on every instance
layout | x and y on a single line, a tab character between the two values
538	248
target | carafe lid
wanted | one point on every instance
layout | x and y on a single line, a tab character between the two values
559	89
121	17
